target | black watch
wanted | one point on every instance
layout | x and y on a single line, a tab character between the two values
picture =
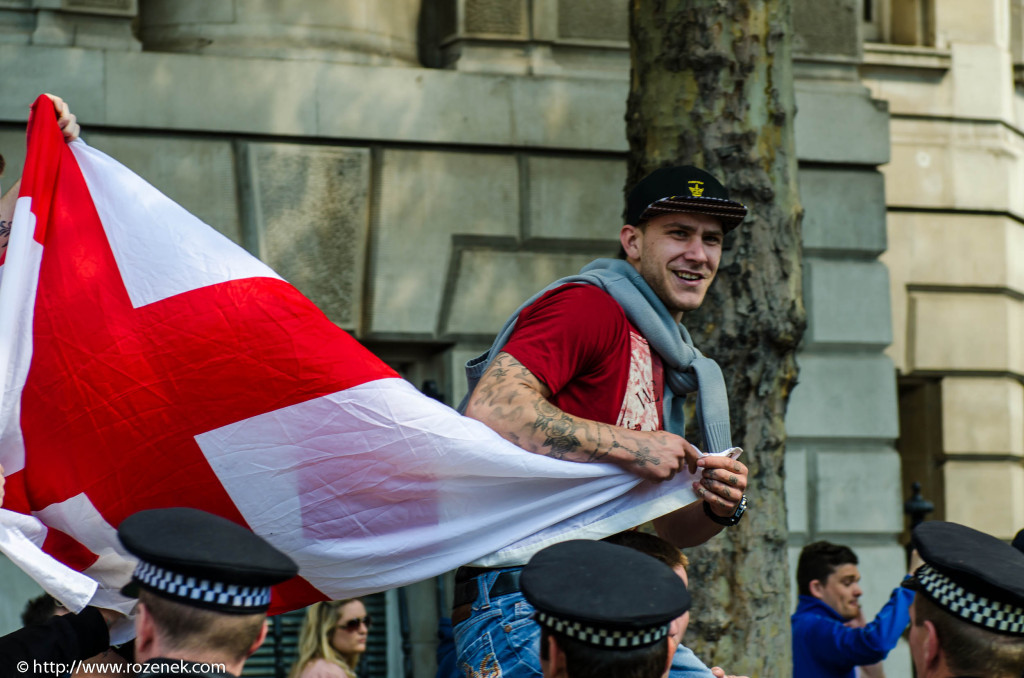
730	520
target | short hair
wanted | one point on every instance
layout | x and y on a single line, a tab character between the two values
38	610
970	649
818	560
185	628
583	660
652	545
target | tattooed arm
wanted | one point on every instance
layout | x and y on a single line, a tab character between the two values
513	402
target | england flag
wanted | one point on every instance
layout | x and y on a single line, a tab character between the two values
149	362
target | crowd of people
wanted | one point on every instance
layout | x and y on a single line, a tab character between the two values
593	368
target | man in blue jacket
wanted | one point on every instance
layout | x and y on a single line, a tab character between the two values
825	644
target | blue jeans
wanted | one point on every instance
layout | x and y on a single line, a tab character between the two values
500	637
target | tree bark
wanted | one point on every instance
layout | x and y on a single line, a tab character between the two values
712	86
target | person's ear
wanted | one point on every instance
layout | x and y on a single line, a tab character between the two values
672	645
931	651
556	660
631	239
259	641
145	634
816	588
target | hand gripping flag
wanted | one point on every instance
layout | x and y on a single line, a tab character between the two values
149	362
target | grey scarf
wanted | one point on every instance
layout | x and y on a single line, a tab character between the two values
686	370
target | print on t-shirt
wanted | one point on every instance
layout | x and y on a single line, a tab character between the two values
640	404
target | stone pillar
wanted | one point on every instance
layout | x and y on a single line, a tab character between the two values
379	32
843	473
98	24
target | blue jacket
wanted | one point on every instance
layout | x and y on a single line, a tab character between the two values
824	648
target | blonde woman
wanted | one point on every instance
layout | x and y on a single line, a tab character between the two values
332	640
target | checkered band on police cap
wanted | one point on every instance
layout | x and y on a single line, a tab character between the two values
603	637
210	593
202	560
990	614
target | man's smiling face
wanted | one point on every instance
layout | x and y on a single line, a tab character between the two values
678	256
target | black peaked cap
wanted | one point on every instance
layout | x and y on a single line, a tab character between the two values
971	575
202	559
682	189
604	594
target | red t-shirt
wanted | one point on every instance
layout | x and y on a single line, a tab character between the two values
577	340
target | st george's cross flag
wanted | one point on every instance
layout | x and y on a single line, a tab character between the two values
149	362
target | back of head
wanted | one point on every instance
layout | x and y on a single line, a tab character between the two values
608	607
818	560
971	650
38	610
315	637
652	545
971	589
583	660
194	632
204	581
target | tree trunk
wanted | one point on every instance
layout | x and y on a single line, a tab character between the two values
712	86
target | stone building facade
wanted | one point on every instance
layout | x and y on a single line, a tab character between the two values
956	240
418	167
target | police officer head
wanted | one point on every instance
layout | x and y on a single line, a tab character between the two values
203	585
968	616
604	610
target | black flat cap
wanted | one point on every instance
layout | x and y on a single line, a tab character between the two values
682	189
203	560
971	575
604	594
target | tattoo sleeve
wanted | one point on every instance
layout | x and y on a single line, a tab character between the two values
513	402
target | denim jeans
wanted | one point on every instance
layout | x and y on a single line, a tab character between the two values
500	637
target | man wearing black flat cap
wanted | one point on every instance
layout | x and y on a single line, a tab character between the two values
203	585
596	368
605	611
967	620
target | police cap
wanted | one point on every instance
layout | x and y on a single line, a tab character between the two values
971	575
604	594
203	560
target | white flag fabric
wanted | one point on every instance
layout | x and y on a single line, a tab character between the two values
149	362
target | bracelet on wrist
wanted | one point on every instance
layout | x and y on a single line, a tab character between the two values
727	521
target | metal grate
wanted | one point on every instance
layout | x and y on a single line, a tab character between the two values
275	658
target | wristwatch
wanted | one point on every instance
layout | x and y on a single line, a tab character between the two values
728	521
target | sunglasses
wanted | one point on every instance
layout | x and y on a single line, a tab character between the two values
352	625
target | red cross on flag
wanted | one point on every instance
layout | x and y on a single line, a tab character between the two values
149	362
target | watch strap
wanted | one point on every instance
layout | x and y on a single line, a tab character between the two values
727	521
